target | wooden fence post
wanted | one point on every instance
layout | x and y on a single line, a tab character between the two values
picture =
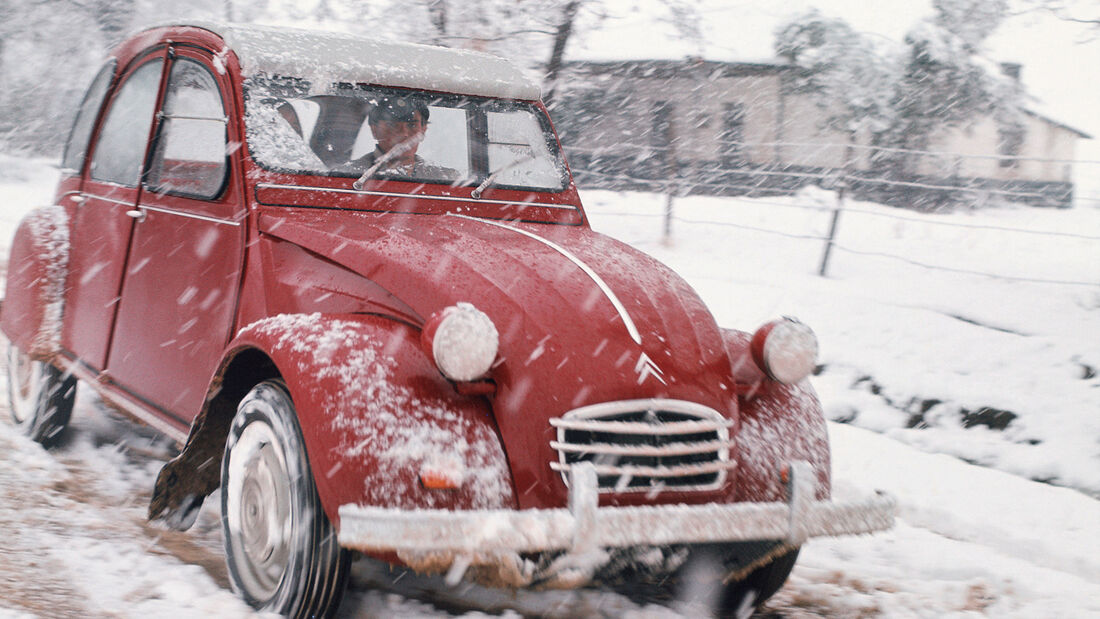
841	185
667	237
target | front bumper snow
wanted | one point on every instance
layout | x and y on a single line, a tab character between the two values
452	541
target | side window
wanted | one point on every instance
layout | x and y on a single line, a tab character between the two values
77	146
190	155
121	145
518	152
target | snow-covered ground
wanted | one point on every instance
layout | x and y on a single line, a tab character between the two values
902	346
905	345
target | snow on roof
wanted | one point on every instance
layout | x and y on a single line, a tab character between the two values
1043	111
346	57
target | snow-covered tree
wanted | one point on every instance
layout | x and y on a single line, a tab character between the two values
945	82
900	96
49	51
851	76
971	20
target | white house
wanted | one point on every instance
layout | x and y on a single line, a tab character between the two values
698	126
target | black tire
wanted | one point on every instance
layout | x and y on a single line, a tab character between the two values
698	583
40	397
741	599
267	486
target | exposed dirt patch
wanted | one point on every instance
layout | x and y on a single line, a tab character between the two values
186	547
918	409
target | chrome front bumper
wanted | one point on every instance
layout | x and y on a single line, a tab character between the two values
452	541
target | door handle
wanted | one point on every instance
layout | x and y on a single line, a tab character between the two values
137	213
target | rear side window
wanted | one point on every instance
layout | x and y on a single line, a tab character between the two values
189	158
121	147
77	146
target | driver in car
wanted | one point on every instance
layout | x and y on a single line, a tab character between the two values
398	125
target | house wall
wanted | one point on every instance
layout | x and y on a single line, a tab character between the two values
697	107
1045	154
809	143
618	117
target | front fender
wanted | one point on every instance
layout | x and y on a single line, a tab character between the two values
375	413
37	267
779	424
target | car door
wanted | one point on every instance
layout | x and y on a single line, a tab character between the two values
101	221
179	293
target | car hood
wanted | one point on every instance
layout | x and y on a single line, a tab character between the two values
583	319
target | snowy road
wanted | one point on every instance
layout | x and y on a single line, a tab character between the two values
969	542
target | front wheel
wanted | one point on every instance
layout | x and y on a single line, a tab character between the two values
740	599
702	579
41	397
280	547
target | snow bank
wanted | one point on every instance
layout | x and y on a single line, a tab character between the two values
903	345
969	542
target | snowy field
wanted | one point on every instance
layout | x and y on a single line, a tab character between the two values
910	357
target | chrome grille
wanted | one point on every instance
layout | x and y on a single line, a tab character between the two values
646	445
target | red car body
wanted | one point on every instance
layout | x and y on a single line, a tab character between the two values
173	306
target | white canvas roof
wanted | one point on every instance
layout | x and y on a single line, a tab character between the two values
345	57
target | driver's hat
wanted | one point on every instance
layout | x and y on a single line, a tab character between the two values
400	109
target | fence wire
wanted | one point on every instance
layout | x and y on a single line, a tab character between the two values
650	150
936	267
673	189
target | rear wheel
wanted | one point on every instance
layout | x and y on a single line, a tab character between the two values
280	547
41	397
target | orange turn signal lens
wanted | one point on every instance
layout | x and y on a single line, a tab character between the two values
438	479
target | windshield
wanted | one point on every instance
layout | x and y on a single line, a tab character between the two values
357	131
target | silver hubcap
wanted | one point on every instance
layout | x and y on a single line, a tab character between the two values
259	510
24	379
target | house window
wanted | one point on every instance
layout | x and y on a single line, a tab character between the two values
582	113
660	134
1010	140
732	138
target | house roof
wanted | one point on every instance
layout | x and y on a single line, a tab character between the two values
1036	109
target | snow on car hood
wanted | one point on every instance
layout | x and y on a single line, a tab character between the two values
583	319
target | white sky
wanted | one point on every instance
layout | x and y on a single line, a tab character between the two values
1057	69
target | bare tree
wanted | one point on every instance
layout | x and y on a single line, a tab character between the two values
557	54
1084	12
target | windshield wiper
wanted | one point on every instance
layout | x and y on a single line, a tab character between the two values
386	157
476	193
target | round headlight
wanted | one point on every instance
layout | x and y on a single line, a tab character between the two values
785	349
462	341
